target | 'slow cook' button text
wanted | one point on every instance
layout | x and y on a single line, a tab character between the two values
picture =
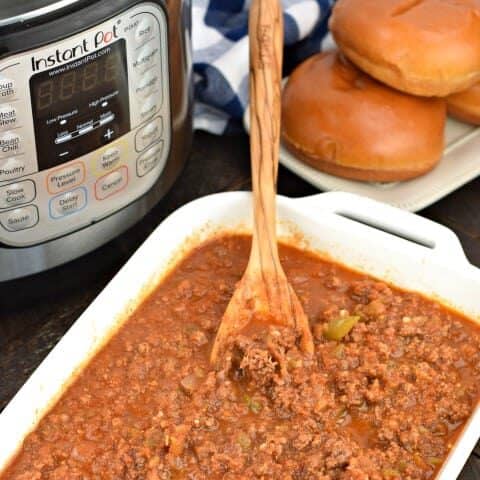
17	194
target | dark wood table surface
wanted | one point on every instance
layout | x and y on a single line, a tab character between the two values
36	312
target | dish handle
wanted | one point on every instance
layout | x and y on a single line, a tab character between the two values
411	227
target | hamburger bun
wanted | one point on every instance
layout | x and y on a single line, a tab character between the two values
422	47
466	105
341	121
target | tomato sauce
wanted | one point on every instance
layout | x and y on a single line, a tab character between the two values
393	379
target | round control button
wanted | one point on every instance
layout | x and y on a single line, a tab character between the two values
10	144
145	29
109	159
150	159
7	88
149	134
68	203
112	183
20	218
17	194
146	58
66	177
109	133
150	107
11	168
148	83
8	116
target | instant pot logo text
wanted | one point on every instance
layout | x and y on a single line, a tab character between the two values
59	56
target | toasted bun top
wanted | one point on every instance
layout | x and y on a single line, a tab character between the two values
418	38
332	110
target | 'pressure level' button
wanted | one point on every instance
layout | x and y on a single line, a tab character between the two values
66	177
19	219
17	194
7	88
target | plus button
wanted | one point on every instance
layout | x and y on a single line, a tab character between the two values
109	134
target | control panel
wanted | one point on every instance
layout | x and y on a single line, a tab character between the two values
85	126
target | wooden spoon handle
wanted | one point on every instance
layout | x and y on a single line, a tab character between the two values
266	56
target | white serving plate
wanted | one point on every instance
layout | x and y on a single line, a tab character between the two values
334	224
460	164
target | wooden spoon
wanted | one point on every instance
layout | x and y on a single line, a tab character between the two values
264	293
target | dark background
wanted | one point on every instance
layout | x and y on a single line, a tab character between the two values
36	312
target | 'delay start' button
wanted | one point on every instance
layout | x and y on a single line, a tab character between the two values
68	203
66	178
17	194
19	219
112	183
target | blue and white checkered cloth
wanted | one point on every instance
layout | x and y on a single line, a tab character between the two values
220	44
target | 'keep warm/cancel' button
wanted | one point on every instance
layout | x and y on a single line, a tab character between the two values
112	183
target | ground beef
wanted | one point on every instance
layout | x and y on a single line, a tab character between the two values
384	402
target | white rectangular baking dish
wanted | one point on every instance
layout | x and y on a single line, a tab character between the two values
347	228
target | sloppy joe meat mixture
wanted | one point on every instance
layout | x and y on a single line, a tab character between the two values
392	381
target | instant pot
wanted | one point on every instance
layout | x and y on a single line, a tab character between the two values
95	122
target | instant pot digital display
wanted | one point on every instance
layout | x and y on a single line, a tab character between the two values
81	105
